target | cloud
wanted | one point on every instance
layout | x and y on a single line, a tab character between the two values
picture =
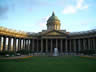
70	9
3	10
4	7
79	3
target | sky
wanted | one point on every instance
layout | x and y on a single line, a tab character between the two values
32	15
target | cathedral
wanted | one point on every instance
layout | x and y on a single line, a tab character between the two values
44	43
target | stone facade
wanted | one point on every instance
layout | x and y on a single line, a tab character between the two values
44	42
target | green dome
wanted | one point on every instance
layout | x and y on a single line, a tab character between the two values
53	18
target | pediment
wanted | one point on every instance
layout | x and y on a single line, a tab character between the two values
54	33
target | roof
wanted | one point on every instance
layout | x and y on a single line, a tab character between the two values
83	32
53	18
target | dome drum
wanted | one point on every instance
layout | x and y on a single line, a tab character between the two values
53	23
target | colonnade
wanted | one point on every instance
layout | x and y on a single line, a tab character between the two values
46	45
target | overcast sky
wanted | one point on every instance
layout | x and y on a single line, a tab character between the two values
31	15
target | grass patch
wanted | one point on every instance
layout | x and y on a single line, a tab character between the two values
49	64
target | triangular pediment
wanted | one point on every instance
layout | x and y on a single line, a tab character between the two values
54	33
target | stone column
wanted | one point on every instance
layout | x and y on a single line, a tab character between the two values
41	45
32	45
66	50
4	43
79	45
56	43
27	45
18	44
88	44
61	49
46	45
11	44
74	45
93	43
0	42
70	45
14	45
84	44
37	45
23	44
51	45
